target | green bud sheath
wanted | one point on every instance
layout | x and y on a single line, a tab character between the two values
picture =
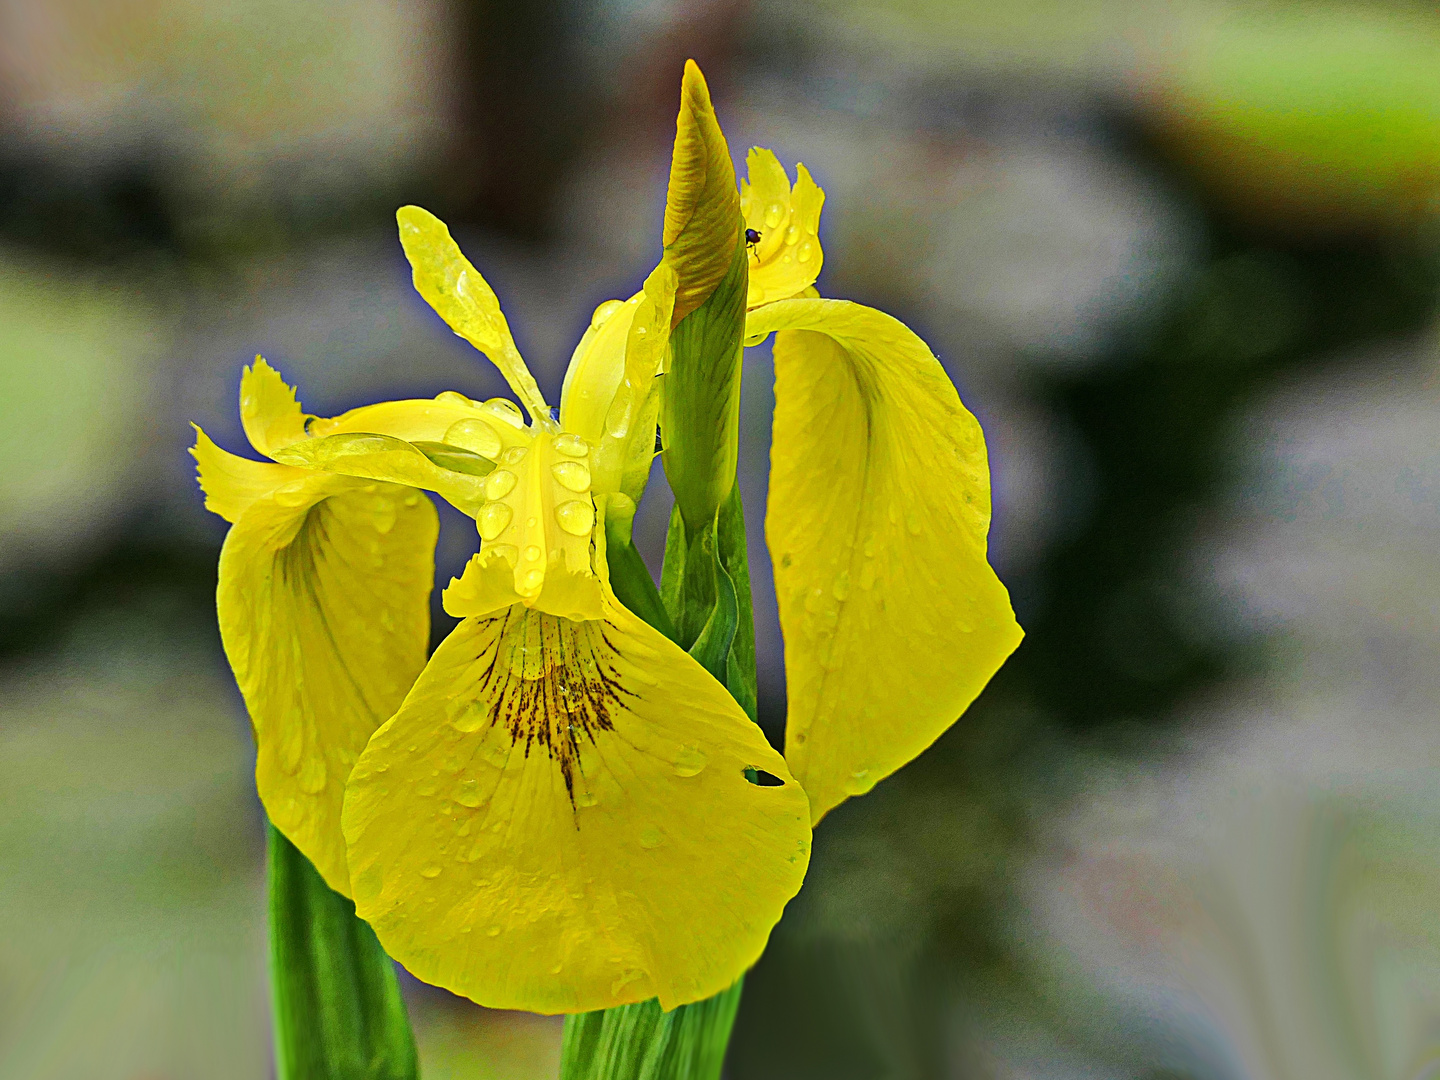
338	1011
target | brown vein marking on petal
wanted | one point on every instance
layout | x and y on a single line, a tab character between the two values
552	683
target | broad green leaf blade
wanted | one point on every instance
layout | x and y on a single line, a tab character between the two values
338	1010
639	1042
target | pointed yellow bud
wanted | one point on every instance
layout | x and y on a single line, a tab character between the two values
702	205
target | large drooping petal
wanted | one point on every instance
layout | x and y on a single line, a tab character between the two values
271	416
464	299
324	613
558	819
787	258
879	508
232	483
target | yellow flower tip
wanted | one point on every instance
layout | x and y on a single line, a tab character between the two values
702	205
557	819
269	411
785	259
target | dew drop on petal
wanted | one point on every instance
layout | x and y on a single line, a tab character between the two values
533	553
474	435
774	214
573	445
571	474
576	517
505	409
530	581
431	871
690	761
452	397
493	520
792	234
604	311
492	931
805	250
500	483
514	455
651	838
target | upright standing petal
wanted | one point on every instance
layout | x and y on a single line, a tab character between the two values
271	416
558	819
464	299
786	259
324	613
879	509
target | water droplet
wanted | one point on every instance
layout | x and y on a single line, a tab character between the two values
573	445
505	409
494	519
571	474
533	553
514	455
492	931
792	234
509	552
690	761
803	253
557	969
774	214
651	838
585	797
530	582
841	589
576	517
451	397
500	483
431	871
859	782
604	311
642	329
474	435
462	284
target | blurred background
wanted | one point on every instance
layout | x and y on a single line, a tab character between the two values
1181	260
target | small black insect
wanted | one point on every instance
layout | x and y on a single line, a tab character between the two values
752	237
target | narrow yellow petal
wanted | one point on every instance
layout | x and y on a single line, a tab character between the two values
557	820
380	457
877	521
423	419
268	410
702	205
232	483
786	259
464	299
324	613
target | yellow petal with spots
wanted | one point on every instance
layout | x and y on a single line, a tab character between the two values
702	205
557	820
464	299
786	259
271	416
879	508
324	613
232	483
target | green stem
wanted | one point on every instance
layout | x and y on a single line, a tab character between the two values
338	1011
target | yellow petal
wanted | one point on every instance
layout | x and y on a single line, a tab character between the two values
324	613
422	419
877	521
538	529
610	396
702	205
232	483
380	457
557	820
787	258
268	410
464	299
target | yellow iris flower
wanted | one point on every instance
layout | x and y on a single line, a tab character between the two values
877	519
553	813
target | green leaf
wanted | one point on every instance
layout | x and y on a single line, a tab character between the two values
639	1042
634	587
338	1011
712	647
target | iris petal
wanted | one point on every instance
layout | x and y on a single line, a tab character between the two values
558	820
232	483
271	416
877	520
786	259
324	613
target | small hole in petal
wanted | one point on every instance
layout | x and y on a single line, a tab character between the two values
761	778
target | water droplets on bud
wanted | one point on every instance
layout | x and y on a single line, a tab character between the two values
604	311
804	252
573	475
454	397
774	214
571	445
690	761
513	456
530	581
505	409
509	552
576	517
500	483
474	435
493	520
792	234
